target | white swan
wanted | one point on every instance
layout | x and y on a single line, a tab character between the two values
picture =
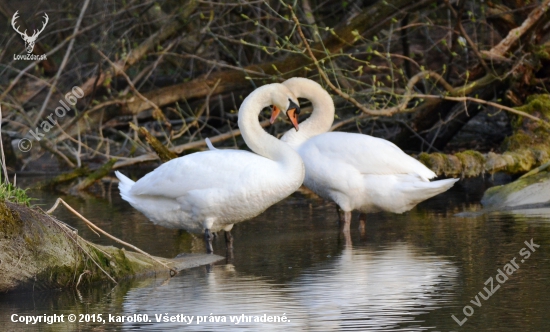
212	190
356	171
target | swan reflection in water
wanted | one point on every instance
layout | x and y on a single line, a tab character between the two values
361	288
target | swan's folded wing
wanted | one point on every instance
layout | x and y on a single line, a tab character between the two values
216	169
369	155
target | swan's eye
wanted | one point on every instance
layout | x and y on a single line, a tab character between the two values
294	105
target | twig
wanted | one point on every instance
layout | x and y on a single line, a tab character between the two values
346	121
410	85
515	34
120	71
65	135
467	37
207	104
64	229
16	265
4	168
63	63
322	72
489	103
92	225
383	112
47	146
80	277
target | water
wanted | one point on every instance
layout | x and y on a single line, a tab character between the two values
408	272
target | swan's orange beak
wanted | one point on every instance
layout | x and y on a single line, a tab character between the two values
274	114
293	116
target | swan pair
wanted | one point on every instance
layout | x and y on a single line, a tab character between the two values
212	190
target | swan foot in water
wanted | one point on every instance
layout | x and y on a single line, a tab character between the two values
229	240
347	239
208	241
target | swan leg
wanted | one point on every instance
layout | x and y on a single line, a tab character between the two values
229	240
344	226
341	215
362	223
208	241
345	222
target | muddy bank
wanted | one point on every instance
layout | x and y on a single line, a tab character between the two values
38	252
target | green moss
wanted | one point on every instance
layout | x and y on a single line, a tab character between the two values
542	52
434	161
519	140
524	161
49	256
473	162
441	163
57	276
537	104
10	222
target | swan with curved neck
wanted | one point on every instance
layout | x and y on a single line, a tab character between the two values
210	191
356	171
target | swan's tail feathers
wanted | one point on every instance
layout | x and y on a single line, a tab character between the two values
209	144
124	186
421	191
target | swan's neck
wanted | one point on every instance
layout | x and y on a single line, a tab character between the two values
258	140
322	116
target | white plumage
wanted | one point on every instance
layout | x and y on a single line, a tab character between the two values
356	171
211	190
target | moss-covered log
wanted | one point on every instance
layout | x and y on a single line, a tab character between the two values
38	252
528	147
62	178
96	175
472	163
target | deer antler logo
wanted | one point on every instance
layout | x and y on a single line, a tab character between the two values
29	40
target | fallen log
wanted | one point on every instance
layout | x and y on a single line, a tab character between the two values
95	176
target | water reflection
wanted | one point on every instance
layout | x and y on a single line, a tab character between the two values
368	290
408	272
358	289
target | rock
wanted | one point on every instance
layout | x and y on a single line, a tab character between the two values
532	190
